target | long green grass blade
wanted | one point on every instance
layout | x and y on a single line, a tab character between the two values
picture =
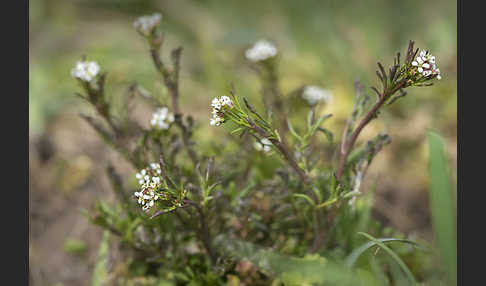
353	257
441	204
395	257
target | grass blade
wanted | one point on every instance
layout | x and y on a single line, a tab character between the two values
441	204
353	257
395	257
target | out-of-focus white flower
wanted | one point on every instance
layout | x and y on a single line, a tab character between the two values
261	51
425	65
162	118
147	175
146	24
85	70
263	146
150	182
219	105
315	94
216	121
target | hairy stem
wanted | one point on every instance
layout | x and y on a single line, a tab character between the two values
346	145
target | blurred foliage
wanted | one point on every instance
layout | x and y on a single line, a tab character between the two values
74	246
328	43
100	271
442	205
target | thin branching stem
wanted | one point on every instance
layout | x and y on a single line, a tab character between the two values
348	145
203	233
172	84
282	148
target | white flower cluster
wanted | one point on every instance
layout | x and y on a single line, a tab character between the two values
150	181
314	95
146	24
85	70
162	118
261	51
218	105
425	64
263	145
149	174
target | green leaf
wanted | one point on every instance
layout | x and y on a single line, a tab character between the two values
100	273
311	269
326	203
395	257
329	134
292	131
74	246
306	197
353	257
318	123
318	194
131	228
441	204
237	130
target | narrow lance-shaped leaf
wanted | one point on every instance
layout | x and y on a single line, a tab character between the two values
441	204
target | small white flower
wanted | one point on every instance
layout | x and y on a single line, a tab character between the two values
162	118
215	103
150	186
215	121
146	24
260	51
263	146
265	141
86	71
314	95
219	105
425	64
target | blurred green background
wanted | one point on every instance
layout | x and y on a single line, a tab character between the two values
326	43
